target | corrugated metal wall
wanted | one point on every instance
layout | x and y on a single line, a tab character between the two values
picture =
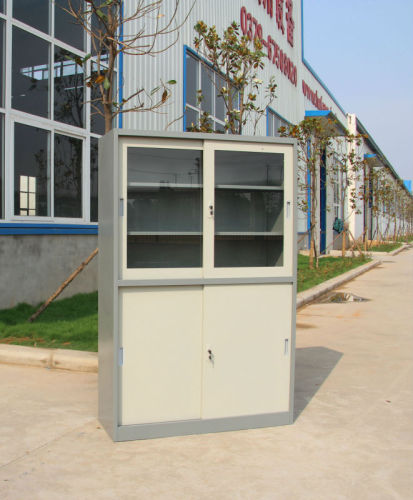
146	72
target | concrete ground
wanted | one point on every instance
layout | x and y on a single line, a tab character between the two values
352	437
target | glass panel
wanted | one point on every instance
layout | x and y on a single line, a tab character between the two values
192	84
249	169
31	171
207	88
1	166
164	208
32	12
191	118
164	251
249	209
248	251
2	57
245	210
68	88
97	122
164	166
65	26
94	179
98	28
30	73
2	4
67	176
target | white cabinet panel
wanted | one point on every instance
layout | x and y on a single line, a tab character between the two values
246	328
161	340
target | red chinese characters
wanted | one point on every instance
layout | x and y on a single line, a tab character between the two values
279	15
268	6
290	22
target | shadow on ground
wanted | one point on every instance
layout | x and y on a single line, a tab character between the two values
312	367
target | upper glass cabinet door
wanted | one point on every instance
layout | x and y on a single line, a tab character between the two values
249	209
200	208
164	208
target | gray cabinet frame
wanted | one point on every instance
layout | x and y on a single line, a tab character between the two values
110	354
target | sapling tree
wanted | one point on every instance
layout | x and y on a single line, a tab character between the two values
314	139
238	61
111	34
345	165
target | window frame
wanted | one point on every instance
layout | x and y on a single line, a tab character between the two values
201	61
285	123
12	116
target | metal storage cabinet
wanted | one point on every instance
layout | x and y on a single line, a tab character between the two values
197	281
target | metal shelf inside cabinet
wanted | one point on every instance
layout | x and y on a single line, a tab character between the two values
164	233
246	187
140	185
244	233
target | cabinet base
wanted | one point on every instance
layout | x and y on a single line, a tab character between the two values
186	427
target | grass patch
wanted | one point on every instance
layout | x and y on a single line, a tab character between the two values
73	323
68	324
329	267
385	247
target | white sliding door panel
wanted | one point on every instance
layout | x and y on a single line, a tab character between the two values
161	340
247	334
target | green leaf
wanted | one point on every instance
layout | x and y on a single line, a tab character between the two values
171	82
106	84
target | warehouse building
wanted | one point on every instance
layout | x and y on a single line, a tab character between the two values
49	133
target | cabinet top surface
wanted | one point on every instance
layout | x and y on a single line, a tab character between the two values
128	133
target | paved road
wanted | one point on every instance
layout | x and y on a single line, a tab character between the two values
352	437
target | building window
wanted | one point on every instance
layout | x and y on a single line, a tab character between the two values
65	27
68	89
35	13
27	195
47	165
336	194
30	73
31	171
35	183
2	54
274	123
202	89
67	176
1	166
97	122
93	179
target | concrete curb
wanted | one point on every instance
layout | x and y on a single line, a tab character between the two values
62	359
304	298
84	361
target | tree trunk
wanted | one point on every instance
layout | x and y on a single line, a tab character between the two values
63	286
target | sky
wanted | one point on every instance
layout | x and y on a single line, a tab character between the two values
363	52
